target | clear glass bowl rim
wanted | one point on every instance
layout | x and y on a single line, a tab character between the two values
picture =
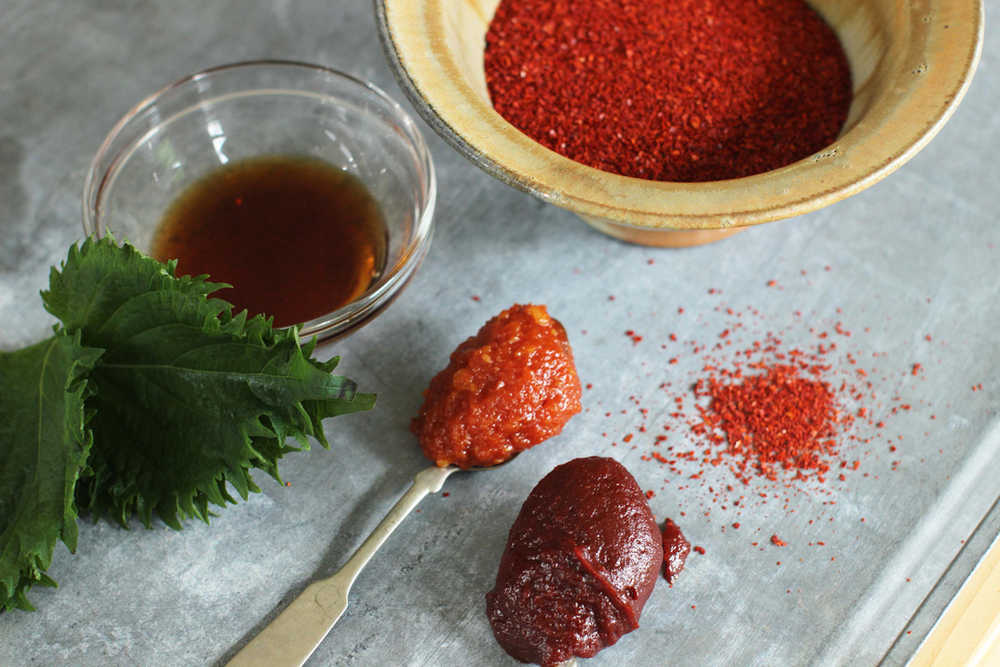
359	311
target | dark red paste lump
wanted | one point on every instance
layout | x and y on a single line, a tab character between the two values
506	389
675	550
582	557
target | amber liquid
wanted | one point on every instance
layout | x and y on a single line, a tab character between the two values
296	237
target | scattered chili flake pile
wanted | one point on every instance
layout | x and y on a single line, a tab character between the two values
757	415
785	416
770	412
672	90
761	423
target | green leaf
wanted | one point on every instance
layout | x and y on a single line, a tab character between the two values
99	276
188	397
44	443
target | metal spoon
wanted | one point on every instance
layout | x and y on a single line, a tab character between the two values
296	632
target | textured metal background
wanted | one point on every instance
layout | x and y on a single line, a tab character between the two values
914	255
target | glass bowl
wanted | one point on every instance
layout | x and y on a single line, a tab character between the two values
189	129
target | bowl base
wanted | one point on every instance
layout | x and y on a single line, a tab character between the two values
662	238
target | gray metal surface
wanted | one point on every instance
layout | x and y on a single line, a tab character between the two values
916	255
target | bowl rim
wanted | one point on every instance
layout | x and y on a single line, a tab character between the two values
467	122
383	291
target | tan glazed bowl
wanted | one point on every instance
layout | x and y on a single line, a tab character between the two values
911	63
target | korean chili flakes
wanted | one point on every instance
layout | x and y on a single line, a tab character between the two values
674	90
782	417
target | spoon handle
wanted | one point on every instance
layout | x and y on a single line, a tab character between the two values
296	632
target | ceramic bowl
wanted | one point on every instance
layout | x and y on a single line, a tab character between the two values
188	129
911	63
